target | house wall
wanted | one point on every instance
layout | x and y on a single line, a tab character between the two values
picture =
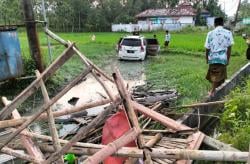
153	24
186	20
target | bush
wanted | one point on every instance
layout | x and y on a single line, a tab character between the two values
235	121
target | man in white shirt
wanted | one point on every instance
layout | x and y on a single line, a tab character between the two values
167	39
218	50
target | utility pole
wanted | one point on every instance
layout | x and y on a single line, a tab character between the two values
32	34
236	14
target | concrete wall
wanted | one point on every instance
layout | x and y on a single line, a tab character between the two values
143	26
193	120
186	20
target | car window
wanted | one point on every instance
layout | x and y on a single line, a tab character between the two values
131	42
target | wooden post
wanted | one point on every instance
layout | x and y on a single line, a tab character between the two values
130	112
14	153
66	111
112	147
32	34
6	111
81	133
27	142
46	106
51	120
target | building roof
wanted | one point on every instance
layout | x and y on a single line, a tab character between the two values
184	9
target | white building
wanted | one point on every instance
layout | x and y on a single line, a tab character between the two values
168	18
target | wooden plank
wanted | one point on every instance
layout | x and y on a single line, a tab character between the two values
27	142
46	106
6	111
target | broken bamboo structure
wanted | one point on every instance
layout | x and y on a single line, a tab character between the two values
51	120
26	157
130	112
46	106
6	111
66	111
162	153
82	133
27	142
112	147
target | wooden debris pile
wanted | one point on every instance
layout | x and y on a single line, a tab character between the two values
176	143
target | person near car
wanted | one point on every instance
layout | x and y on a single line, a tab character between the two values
167	39
218	51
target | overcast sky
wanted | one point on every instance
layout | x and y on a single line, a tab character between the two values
230	6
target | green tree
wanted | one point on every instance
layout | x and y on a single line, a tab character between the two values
244	9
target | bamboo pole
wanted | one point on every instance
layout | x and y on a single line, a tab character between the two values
66	111
218	145
112	147
14	153
105	87
46	106
27	142
62	141
82	56
154	140
155	108
81	133
51	119
6	111
168	122
162	153
201	104
130	112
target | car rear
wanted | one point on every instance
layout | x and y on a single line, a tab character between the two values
132	49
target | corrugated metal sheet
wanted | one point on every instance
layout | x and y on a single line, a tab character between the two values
10	55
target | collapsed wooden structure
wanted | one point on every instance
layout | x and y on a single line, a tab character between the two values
177	144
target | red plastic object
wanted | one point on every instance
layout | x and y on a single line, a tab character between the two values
115	127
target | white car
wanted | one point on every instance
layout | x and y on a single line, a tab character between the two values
132	48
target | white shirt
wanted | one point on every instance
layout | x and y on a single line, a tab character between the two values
167	37
217	41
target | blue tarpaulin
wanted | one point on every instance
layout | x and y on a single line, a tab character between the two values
10	55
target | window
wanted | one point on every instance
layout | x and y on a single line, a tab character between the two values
131	42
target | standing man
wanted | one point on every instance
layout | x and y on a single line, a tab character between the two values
218	50
167	39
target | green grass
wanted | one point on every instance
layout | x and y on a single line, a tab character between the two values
182	66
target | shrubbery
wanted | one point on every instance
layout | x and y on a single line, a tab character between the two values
235	122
